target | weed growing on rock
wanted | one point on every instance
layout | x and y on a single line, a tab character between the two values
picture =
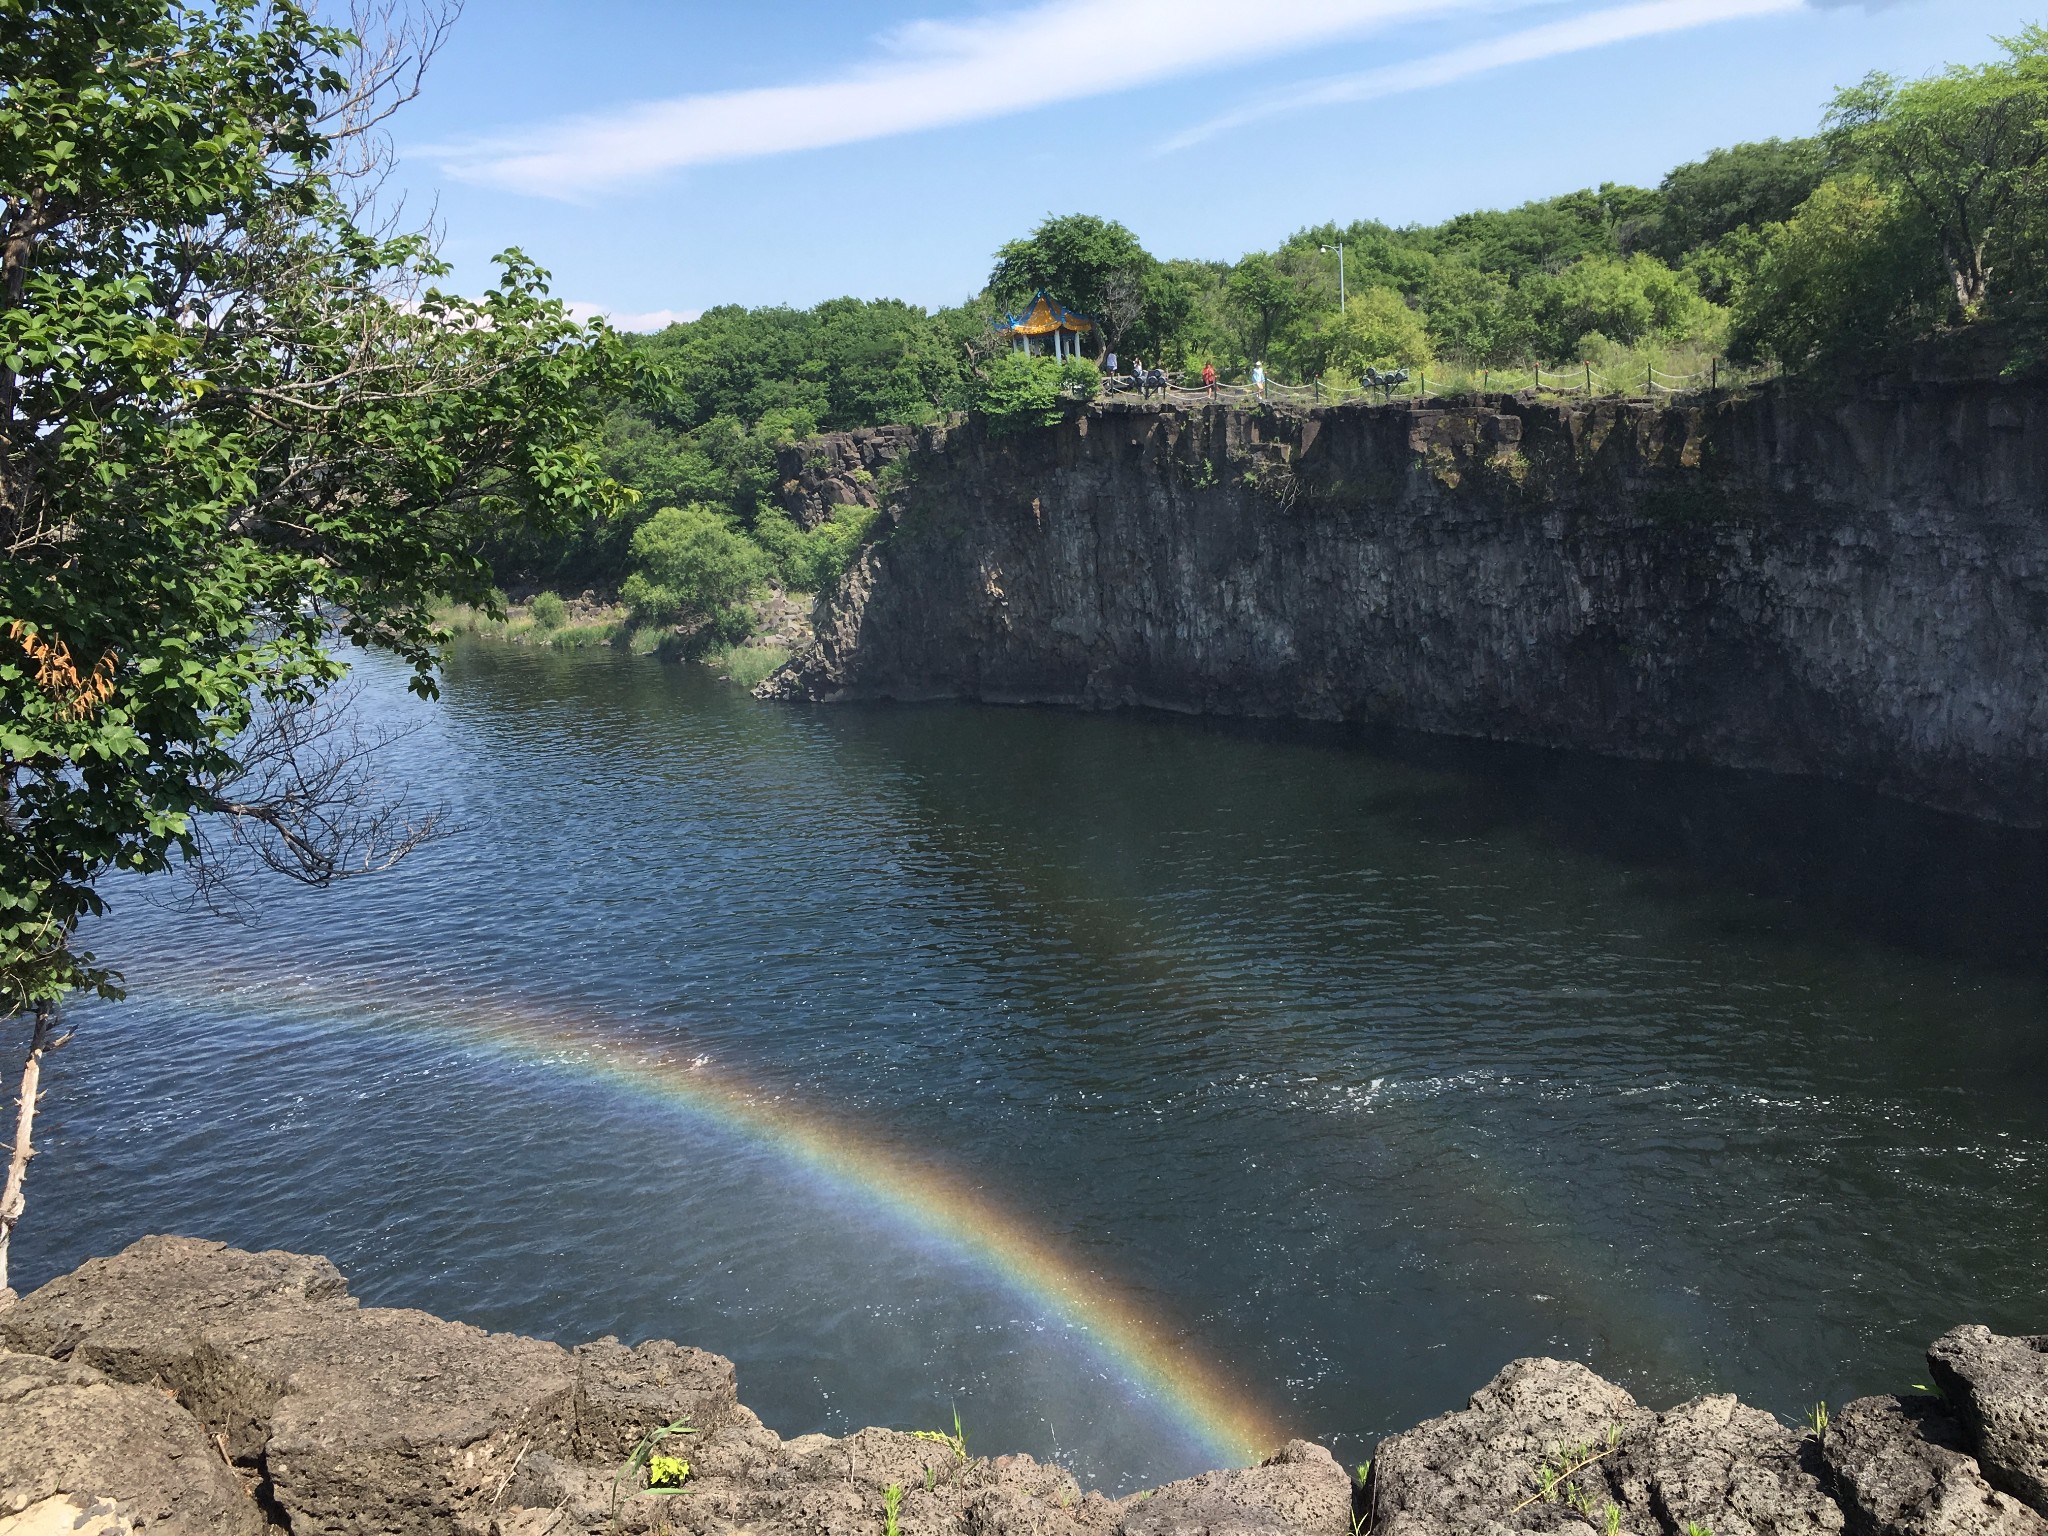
644	1456
956	1442
1610	1523
892	1502
1694	1528
1555	1474
1817	1421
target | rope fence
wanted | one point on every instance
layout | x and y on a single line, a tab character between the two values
1583	381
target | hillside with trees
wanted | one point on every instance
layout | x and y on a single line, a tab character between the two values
1915	215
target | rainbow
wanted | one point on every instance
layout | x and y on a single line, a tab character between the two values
1149	1357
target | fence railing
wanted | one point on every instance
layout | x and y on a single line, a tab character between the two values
1583	380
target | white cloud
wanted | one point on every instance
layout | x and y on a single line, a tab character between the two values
627	320
931	74
1616	25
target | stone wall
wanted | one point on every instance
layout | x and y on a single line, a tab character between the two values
1851	589
183	1387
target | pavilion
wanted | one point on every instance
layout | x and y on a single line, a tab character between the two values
1047	316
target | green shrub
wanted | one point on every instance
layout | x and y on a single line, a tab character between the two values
810	562
1018	391
548	611
690	563
1080	377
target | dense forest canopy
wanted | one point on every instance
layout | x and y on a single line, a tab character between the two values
1915	211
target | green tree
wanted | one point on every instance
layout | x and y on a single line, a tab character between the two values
1964	149
1850	273
1629	301
1744	187
1094	266
235	423
1265	300
1471	313
1377	330
691	565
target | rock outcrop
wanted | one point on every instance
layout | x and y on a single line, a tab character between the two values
193	1389
820	475
1854	589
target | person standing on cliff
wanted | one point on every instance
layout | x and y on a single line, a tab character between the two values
1139	380
1209	379
1259	377
1109	363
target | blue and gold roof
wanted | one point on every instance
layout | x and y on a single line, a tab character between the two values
1046	314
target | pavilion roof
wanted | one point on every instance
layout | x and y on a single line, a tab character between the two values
1046	314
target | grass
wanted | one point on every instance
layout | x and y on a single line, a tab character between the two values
892	1504
1555	1474
576	637
547	619
747	665
1653	370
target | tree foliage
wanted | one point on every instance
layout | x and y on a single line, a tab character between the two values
235	419
691	565
1963	150
1377	330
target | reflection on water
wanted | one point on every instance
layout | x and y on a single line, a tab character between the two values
1354	1067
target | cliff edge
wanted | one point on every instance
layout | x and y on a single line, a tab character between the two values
1851	589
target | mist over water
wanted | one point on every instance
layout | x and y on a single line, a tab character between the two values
1362	1066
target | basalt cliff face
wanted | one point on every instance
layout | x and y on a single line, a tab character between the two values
182	1388
1851	589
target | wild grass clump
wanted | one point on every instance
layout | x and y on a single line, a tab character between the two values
748	665
578	637
464	619
548	611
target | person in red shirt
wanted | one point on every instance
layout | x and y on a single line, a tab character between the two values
1209	379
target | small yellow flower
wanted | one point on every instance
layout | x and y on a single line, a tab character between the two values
666	1471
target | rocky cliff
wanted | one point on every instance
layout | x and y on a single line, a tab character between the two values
186	1388
1851	589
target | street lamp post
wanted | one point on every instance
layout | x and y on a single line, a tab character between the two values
1339	249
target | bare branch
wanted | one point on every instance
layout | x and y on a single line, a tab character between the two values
309	800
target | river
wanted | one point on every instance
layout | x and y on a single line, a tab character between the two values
1143	1089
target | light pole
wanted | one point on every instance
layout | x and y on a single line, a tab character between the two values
1339	249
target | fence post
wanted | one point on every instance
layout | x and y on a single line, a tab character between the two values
1715	387
1650	380
1539	378
1589	381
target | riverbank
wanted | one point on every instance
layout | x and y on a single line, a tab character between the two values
1844	588
780	626
186	1387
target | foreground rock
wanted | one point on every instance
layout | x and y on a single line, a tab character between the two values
186	1387
1901	1466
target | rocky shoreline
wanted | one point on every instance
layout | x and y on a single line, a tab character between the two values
185	1387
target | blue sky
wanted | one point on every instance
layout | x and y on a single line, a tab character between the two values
662	156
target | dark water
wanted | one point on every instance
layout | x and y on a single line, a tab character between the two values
1364	1067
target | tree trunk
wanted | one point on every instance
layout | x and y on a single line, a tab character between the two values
1972	281
12	1198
